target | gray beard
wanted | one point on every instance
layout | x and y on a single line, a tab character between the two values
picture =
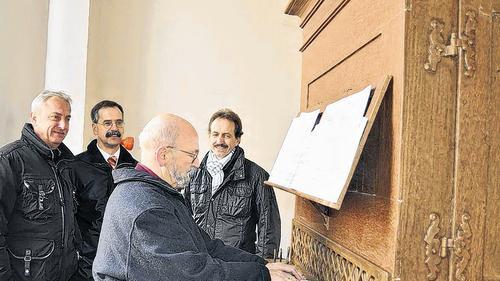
182	180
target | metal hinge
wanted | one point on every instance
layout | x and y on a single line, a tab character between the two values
465	42
446	243
454	47
438	248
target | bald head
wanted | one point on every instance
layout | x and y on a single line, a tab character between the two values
164	130
169	146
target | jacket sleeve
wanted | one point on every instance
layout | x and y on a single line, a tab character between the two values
84	270
9	181
170	249
269	222
219	250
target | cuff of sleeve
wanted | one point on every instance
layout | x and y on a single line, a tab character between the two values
265	273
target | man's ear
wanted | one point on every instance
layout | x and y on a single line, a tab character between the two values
33	118
94	129
162	156
238	140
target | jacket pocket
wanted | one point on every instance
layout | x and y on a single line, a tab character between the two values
239	201
38	198
199	198
30	258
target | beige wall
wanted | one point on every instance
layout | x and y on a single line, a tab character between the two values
23	40
194	57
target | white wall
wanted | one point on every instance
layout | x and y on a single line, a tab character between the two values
67	60
194	57
23	37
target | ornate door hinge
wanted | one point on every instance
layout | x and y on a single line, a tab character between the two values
438	248
465	43
446	244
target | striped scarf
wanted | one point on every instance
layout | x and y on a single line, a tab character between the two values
215	169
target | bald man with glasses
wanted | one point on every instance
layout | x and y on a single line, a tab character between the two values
103	155
148	233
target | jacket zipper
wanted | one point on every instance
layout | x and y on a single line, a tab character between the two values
61	200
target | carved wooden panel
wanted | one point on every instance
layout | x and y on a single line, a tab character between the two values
325	260
435	151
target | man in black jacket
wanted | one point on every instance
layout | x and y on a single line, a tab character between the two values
148	234
227	195
93	169
37	225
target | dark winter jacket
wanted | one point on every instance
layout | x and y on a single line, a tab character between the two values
97	184
241	203
37	220
149	234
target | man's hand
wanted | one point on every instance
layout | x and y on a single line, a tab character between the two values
284	272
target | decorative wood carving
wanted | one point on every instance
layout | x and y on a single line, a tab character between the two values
438	48
436	248
469	42
436	45
322	259
432	253
462	247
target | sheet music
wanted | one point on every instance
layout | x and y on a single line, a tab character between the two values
350	106
288	158
326	162
318	162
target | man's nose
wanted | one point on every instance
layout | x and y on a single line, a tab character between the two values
63	124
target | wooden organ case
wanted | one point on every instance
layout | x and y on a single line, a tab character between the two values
424	201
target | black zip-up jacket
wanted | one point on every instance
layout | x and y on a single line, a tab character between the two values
97	184
241	203
37	211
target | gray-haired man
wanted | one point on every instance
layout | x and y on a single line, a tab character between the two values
37	226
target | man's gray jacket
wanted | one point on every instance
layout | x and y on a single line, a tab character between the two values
241	203
149	234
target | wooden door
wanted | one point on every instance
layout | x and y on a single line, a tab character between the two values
450	189
475	246
491	246
428	140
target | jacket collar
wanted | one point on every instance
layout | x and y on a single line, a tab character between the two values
234	169
93	155
29	136
130	174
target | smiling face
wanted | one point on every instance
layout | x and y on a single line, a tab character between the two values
51	121
222	137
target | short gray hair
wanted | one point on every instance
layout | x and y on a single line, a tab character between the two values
156	134
47	94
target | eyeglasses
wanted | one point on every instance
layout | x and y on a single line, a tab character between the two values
191	154
109	123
